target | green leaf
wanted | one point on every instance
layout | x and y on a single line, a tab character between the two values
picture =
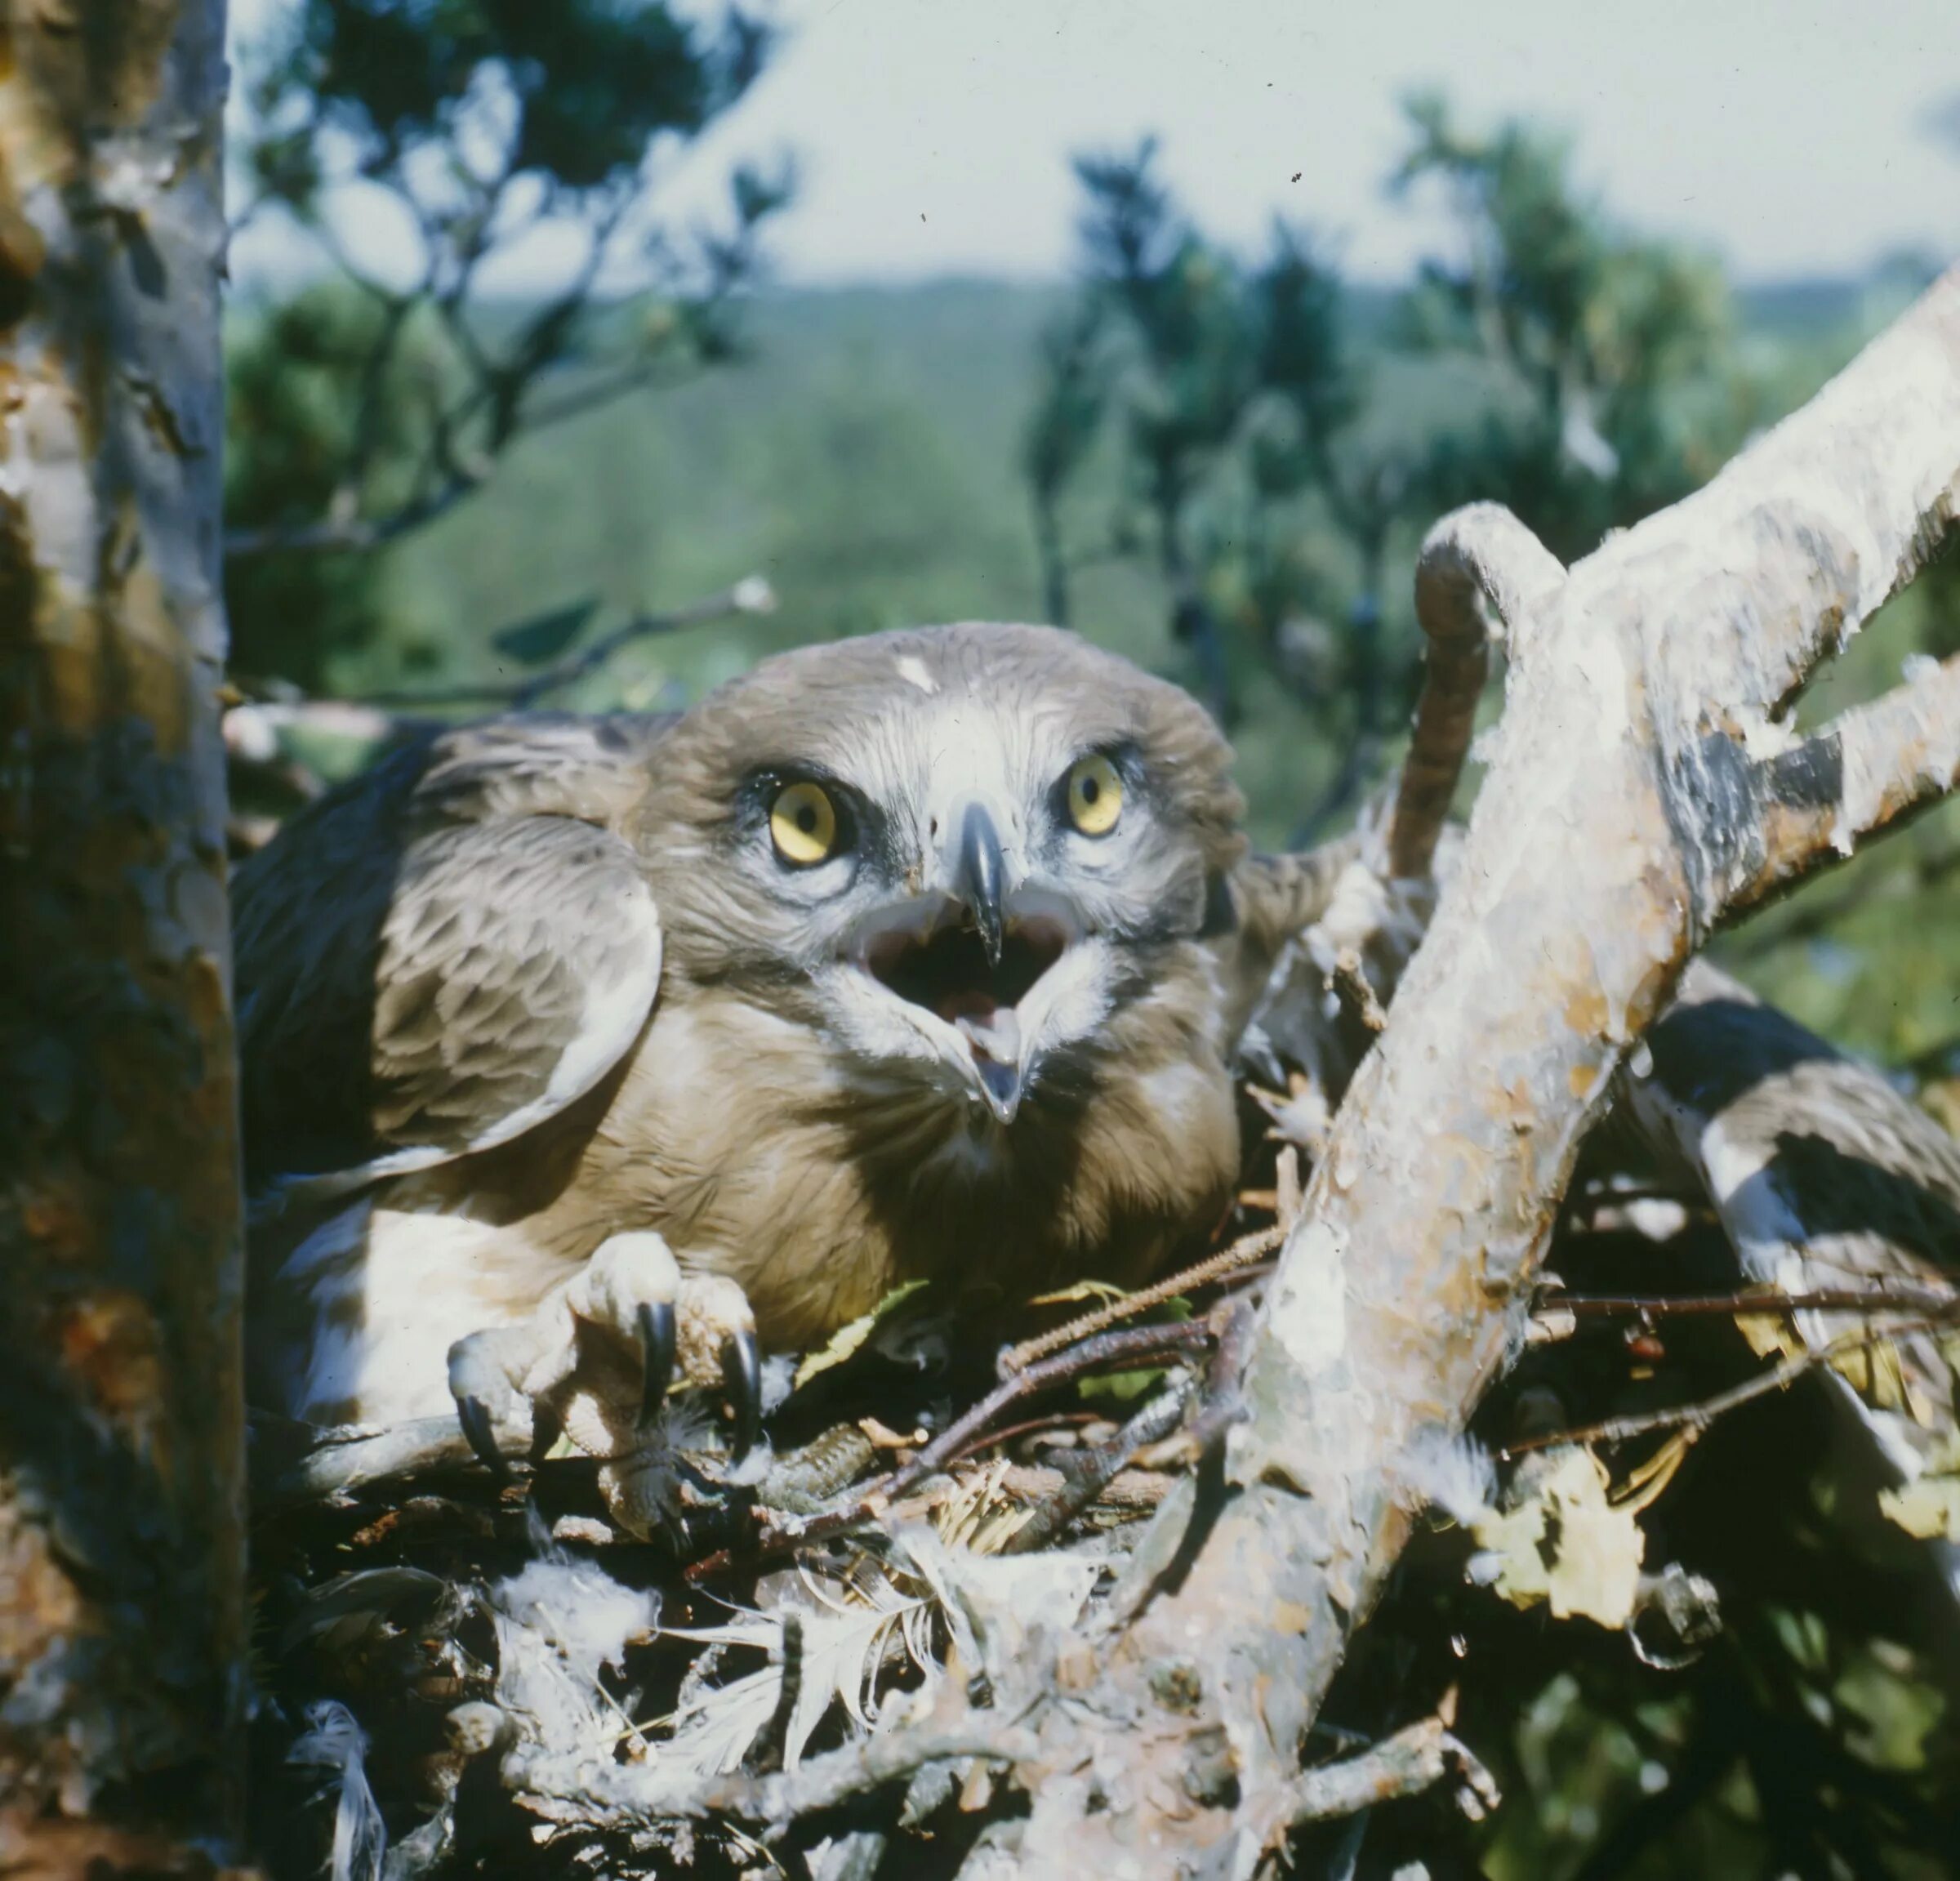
846	1340
1124	1387
544	637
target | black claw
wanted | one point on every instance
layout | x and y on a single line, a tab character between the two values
474	1414
741	1377
656	1320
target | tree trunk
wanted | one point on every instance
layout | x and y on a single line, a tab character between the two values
122	1532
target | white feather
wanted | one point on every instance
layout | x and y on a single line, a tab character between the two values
334	1742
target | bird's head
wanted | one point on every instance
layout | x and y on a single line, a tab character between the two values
955	852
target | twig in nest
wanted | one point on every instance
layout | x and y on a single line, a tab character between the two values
1086	1477
1242	1253
1934	1303
1222	1405
1139	1343
821	1783
1704	1412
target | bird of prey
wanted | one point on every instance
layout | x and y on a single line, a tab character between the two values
614	1046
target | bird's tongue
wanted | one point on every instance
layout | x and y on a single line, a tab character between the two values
993	1031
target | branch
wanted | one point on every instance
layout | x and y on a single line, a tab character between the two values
1480	570
752	595
569	1790
1811	805
1417	1758
349	533
1594	865
1816	916
251	730
1697	1417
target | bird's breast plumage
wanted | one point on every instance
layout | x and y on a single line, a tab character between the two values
763	1152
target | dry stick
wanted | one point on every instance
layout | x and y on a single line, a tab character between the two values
1414	1759
1242	1253
1417	1758
1093	1473
1704	1412
1456	618
1935	1305
1142	1342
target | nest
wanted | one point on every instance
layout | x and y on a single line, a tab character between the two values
821	1661
461	1666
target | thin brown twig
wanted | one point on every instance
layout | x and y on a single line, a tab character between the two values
1084	1481
1241	1252
1703	1412
1138	1343
1935	1303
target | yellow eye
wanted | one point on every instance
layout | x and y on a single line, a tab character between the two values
802	824
1095	796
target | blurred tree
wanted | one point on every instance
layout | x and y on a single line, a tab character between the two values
1071	393
1236	393
1619	346
1263	484
1186	373
1301	443
384	395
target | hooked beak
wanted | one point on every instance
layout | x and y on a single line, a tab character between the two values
977	877
968	952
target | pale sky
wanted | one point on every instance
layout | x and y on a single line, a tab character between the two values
1792	137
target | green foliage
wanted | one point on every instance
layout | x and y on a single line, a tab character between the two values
1227	387
571	95
372	405
1622	348
297	416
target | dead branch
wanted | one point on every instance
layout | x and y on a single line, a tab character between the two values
1417	1758
1630	805
1696	1417
1930	1304
1459	617
1241	1254
1817	801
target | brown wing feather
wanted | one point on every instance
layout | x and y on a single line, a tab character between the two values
446	953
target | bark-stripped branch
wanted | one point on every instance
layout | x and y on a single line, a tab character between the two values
1607	840
1479	567
1417	1758
1815	802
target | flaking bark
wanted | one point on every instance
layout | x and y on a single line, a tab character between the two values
1643	787
121	1507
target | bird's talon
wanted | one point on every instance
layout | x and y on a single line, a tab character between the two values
741	1377
474	1414
655	1319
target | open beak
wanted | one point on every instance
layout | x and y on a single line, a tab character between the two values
969	955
